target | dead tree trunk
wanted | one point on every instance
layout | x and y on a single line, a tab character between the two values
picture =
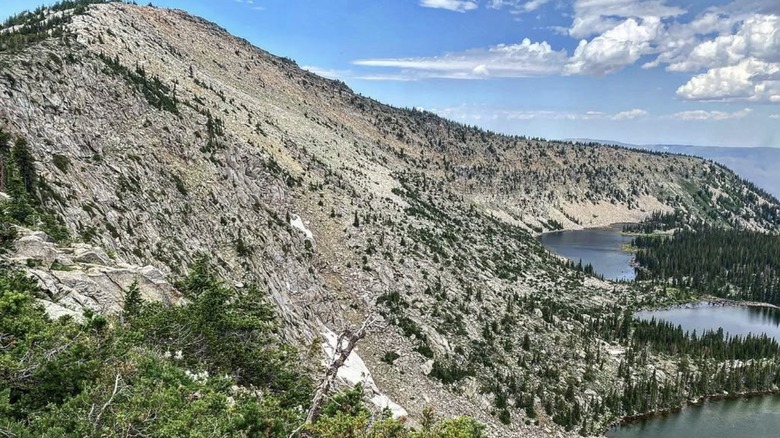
344	345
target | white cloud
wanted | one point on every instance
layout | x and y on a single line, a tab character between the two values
399	77
451	5
775	116
481	70
700	115
518	6
758	37
327	72
630	114
477	113
505	60
251	3
594	17
533	5
751	79
616	48
753	6
732	51
678	40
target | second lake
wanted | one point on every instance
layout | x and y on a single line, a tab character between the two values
601	247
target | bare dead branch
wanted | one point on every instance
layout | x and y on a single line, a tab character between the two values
96	423
344	345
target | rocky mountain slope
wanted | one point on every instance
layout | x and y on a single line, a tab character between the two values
160	137
85	277
755	164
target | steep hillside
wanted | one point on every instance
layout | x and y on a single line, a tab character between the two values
753	164
159	137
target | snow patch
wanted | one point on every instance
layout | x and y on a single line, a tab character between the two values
297	222
355	371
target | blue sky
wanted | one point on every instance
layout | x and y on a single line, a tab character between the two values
638	71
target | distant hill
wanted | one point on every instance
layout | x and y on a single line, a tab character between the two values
758	165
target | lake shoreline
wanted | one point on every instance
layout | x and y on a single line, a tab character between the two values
613	226
701	400
709	300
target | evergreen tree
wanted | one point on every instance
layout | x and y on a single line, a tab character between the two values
25	164
133	302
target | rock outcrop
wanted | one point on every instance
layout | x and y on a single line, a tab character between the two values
82	277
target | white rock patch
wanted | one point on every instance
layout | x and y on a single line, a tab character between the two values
297	222
354	371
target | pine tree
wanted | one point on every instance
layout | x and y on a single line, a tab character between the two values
25	164
133	302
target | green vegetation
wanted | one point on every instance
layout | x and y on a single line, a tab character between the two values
392	308
390	357
215	128
153	89
215	367
663	337
61	162
345	416
741	265
536	343
659	221
709	363
27	191
162	371
30	27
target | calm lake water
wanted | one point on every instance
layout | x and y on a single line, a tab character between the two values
735	320
756	417
601	247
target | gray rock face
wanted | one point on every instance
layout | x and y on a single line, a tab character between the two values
90	255
38	248
87	279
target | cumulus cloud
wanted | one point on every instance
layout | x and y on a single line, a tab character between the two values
700	115
616	48
732	52
451	5
678	40
751	79
505	60
758	37
775	116
594	17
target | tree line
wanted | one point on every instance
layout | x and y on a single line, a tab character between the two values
734	264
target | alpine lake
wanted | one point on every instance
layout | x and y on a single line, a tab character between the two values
755	417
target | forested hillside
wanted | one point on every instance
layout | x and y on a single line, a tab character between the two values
735	264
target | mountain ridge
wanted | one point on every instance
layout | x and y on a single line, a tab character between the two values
752	163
